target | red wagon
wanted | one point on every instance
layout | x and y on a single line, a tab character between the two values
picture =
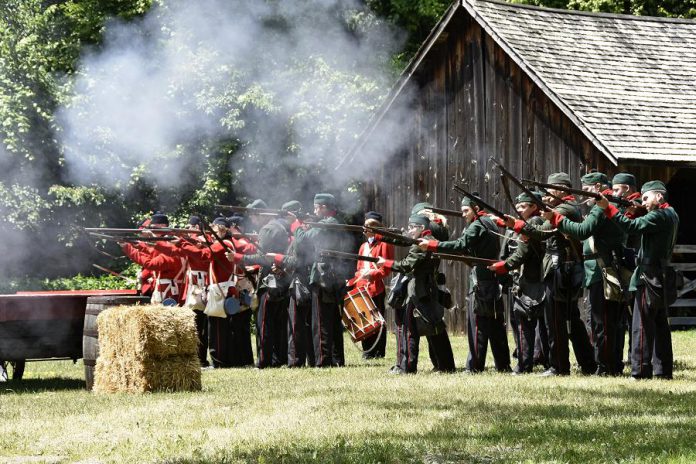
43	325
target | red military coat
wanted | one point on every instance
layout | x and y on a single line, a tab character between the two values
367	273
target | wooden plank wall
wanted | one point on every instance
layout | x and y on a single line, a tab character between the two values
473	102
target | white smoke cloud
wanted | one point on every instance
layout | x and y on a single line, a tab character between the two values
289	79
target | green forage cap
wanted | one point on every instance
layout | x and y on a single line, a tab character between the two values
292	205
594	178
524	197
466	201
258	203
653	185
559	178
418	207
325	199
624	178
419	219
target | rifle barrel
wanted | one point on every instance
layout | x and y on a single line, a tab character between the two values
407	241
350	256
329	226
579	192
446	212
479	201
470	260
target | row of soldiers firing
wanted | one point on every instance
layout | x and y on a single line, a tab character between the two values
295	275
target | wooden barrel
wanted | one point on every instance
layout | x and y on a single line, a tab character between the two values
90	336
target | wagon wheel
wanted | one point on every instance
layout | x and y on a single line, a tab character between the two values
11	370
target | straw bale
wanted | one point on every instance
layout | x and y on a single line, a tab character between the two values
147	348
151	331
120	374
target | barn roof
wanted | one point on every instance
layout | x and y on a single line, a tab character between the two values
627	82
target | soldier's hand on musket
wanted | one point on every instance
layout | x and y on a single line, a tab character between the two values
381	261
147	233
603	202
548	215
423	244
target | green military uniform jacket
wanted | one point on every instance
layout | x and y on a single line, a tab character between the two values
527	256
658	234
608	239
556	242
478	241
274	237
421	267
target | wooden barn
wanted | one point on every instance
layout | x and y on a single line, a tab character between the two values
542	90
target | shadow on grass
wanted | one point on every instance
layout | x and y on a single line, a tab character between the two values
39	385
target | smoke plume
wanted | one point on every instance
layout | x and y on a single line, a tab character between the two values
293	82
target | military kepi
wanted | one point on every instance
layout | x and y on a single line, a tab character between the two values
466	201
418	207
292	205
325	199
624	178
419	219
159	218
592	178
525	197
559	178
653	185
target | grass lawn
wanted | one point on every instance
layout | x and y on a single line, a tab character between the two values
355	414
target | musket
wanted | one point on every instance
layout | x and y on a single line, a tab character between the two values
114	273
446	212
542	206
597	196
167	230
133	238
402	239
349	227
469	260
479	201
343	227
267	212
350	256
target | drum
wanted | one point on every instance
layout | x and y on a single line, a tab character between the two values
360	315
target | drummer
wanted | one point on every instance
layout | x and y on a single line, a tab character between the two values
372	277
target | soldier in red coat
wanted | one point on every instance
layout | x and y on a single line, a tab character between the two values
371	276
168	270
229	337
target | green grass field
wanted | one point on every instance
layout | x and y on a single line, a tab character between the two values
355	414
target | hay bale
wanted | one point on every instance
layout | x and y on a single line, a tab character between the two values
150	330
147	348
176	373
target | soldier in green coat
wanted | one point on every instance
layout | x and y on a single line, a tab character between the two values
522	257
420	311
653	281
486	315
563	276
603	243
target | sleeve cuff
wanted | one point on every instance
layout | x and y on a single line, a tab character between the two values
519	225
557	218
500	268
432	245
611	211
278	259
